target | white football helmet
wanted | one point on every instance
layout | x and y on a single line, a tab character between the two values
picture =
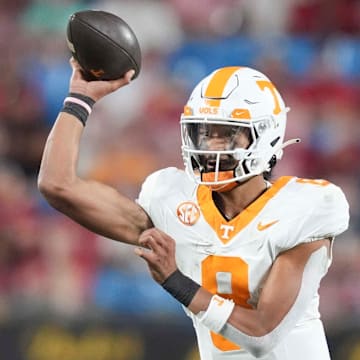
232	127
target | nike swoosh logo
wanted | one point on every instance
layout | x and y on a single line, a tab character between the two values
238	113
262	227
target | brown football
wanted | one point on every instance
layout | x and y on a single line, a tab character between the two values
104	45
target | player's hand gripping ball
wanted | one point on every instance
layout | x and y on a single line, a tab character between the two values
103	44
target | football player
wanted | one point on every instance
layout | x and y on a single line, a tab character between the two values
243	255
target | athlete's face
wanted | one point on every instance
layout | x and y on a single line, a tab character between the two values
219	138
222	137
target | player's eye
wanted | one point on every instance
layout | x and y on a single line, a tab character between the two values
203	131
231	131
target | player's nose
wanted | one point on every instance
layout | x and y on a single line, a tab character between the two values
217	143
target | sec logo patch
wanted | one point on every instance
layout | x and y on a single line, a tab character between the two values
188	213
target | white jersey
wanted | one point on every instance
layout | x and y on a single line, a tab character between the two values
233	258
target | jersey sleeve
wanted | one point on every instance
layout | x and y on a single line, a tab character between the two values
330	217
147	190
325	215
156	190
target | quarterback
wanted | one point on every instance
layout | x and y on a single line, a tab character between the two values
244	255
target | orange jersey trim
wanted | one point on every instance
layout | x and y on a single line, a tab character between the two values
215	219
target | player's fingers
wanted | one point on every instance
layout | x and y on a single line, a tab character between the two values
139	251
118	83
164	240
150	242
147	255
76	69
74	65
129	75
157	241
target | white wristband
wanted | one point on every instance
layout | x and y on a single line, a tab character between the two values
217	313
79	102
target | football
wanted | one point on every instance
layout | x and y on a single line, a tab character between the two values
103	44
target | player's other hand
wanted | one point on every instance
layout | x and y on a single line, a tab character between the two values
95	89
158	250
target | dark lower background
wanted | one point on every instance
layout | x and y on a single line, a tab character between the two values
124	339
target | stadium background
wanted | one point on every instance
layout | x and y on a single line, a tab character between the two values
68	294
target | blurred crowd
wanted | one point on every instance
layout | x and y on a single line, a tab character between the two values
309	48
